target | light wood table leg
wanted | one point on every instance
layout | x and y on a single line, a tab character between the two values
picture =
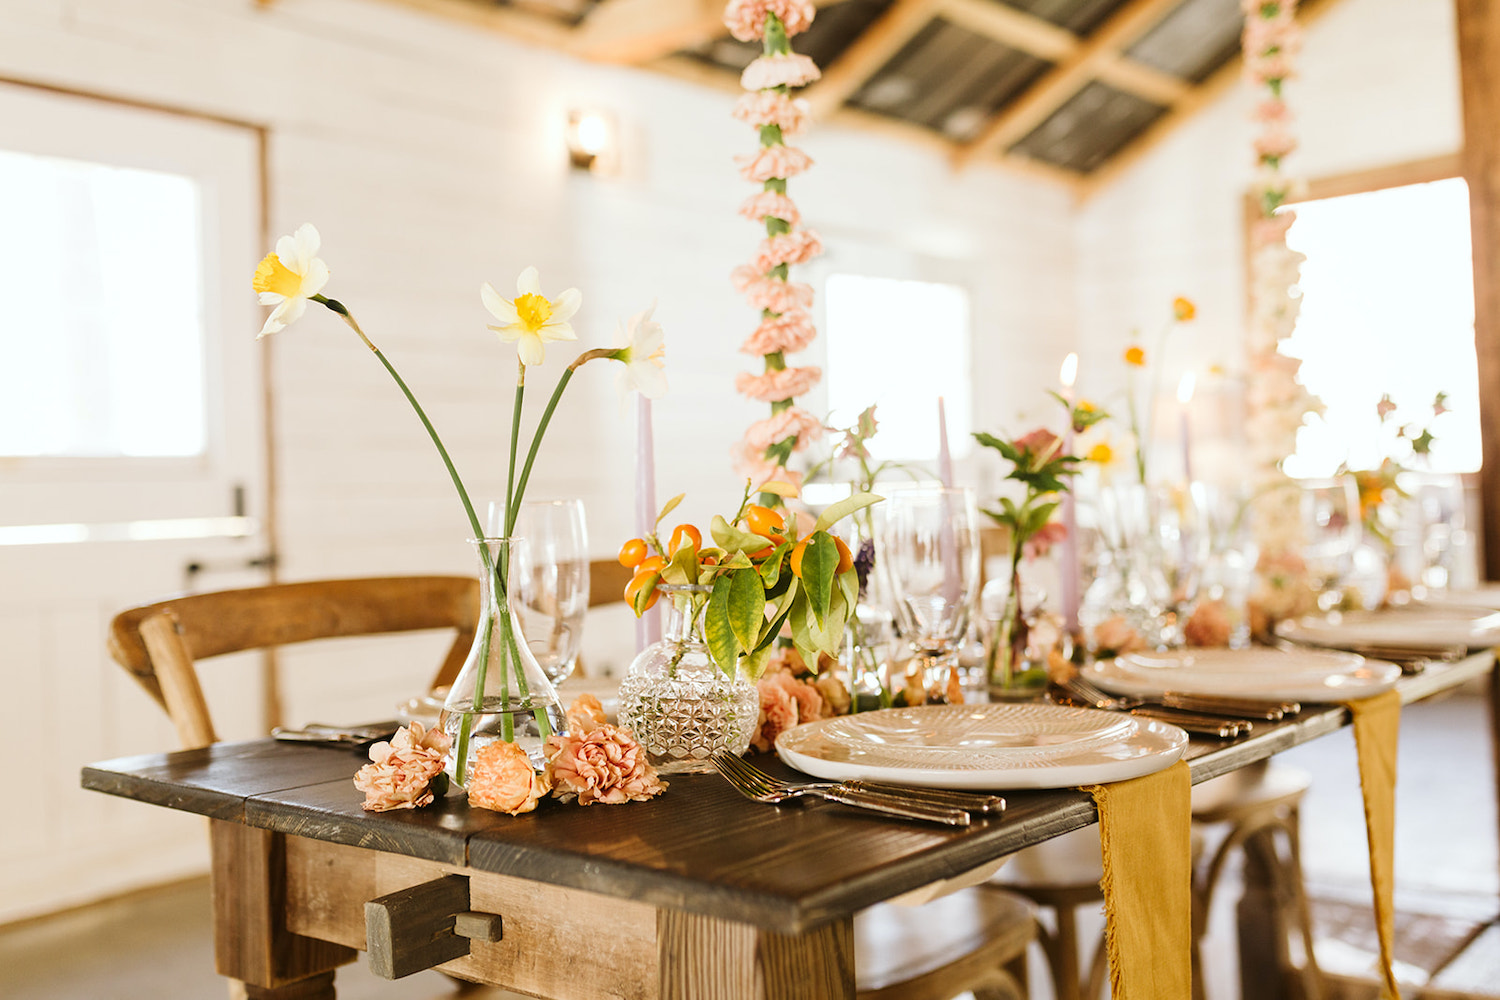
251	942
706	958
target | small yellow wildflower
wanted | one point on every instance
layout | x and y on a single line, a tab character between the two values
1135	355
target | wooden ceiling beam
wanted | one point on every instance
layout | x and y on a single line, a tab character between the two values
636	31
1012	27
532	28
1145	81
870	51
1049	93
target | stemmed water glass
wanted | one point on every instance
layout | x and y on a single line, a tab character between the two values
1330	519
552	580
927	551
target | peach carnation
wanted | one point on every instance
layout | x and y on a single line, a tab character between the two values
772	107
585	714
605	764
1114	636
1275	142
772	203
791	422
746	19
784	702
754	466
774	386
791	331
1041	541
1272	111
503	779
1209	626
769	162
400	772
1273	230
835	694
781	70
796	247
777	296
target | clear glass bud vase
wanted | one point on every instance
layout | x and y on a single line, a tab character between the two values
680	704
501	693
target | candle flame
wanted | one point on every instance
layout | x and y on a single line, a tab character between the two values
1069	373
1185	388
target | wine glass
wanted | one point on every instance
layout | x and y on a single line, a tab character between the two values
927	552
1330	521
552	580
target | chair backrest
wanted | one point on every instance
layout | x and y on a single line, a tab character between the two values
160	643
607	580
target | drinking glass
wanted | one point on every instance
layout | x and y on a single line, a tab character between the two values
552	579
1330	522
927	550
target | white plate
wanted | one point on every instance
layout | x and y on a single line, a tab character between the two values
983	746
1272	674
1485	597
1410	628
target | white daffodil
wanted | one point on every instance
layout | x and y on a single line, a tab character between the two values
531	319
1110	452
641	347
289	276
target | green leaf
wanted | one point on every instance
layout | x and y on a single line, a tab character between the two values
819	560
800	619
644	594
680	570
747	607
716	629
669	506
732	539
836	512
755	662
848	582
827	636
770	567
779	615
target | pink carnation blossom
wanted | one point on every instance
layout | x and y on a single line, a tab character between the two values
772	203
1272	111
774	386
585	714
1263	69
1209	626
795	247
781	70
777	296
772	107
746	19
605	764
769	162
400	772
1272	230
789	332
1275	142
746	275
754	466
503	779
791	422
778	711
1040	543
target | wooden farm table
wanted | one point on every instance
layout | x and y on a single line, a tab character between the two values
698	894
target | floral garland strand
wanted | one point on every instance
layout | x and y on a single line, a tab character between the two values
786	325
1276	401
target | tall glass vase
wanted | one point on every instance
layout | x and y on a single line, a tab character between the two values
681	705
501	693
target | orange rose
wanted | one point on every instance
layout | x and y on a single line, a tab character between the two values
503	779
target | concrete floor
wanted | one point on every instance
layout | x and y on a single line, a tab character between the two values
156	944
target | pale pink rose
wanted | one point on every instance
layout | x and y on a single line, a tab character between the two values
795	247
753	465
787	333
585	714
1114	636
777	296
605	765
746	19
791	422
769	162
400	773
772	203
778	710
789	70
772	107
1208	626
774	386
503	779
1040	543
1275	142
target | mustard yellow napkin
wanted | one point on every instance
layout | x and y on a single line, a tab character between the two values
1145	833
1377	725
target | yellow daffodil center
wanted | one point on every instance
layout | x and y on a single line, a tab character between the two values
1135	356
1183	309
271	275
1101	454
533	310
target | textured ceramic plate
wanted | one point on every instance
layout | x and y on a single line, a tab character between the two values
1272	674
1413	628
1485	597
983	746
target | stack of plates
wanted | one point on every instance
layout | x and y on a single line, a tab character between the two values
1426	627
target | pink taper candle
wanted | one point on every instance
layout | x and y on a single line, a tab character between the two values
945	460
1068	561
648	626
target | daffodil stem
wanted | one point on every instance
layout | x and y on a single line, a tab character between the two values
536	444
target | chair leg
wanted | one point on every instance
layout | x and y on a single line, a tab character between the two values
1098	972
1312	976
1065	960
319	987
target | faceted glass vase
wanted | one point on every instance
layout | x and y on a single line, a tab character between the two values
682	707
501	693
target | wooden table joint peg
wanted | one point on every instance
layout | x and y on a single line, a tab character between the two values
478	926
414	928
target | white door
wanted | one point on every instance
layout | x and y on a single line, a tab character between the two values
131	455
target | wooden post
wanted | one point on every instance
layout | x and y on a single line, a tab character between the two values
1479	73
707	958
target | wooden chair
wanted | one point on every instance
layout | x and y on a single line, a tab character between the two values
161	643
972	940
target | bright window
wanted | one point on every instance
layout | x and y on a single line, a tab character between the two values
899	345
1387	308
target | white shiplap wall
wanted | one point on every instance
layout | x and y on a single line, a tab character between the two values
430	155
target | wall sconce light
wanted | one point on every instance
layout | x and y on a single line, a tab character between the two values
591	141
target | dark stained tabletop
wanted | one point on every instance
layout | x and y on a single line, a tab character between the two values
699	847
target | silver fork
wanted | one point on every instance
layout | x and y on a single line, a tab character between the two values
970	802
761	787
1192	722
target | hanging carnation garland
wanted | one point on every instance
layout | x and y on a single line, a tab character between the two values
1276	401
785	325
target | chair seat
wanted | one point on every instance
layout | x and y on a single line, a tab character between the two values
942	948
